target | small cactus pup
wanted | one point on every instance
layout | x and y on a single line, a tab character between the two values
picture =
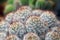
49	18
3	35
31	36
52	36
12	37
22	14
37	12
9	17
56	29
17	28
4	26
35	23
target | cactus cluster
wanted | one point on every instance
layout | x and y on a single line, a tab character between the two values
28	24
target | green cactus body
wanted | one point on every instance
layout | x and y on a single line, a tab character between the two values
18	29
40	4
24	2
32	36
27	24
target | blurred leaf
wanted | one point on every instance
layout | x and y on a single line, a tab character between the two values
32	3
24	2
10	1
9	8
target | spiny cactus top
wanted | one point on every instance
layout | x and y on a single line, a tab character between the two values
49	18
28	24
52	36
9	17
31	36
12	37
56	29
35	22
17	27
22	14
3	35
37	12
25	8
4	26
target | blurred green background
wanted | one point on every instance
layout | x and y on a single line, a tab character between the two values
7	6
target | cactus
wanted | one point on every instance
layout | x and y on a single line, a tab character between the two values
17	28
32	36
49	19
4	26
56	29
27	24
9	17
52	36
3	35
34	4
12	37
22	14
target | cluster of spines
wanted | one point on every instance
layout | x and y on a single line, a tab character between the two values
28	20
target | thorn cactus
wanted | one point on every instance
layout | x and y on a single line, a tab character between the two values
52	36
32	36
12	37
